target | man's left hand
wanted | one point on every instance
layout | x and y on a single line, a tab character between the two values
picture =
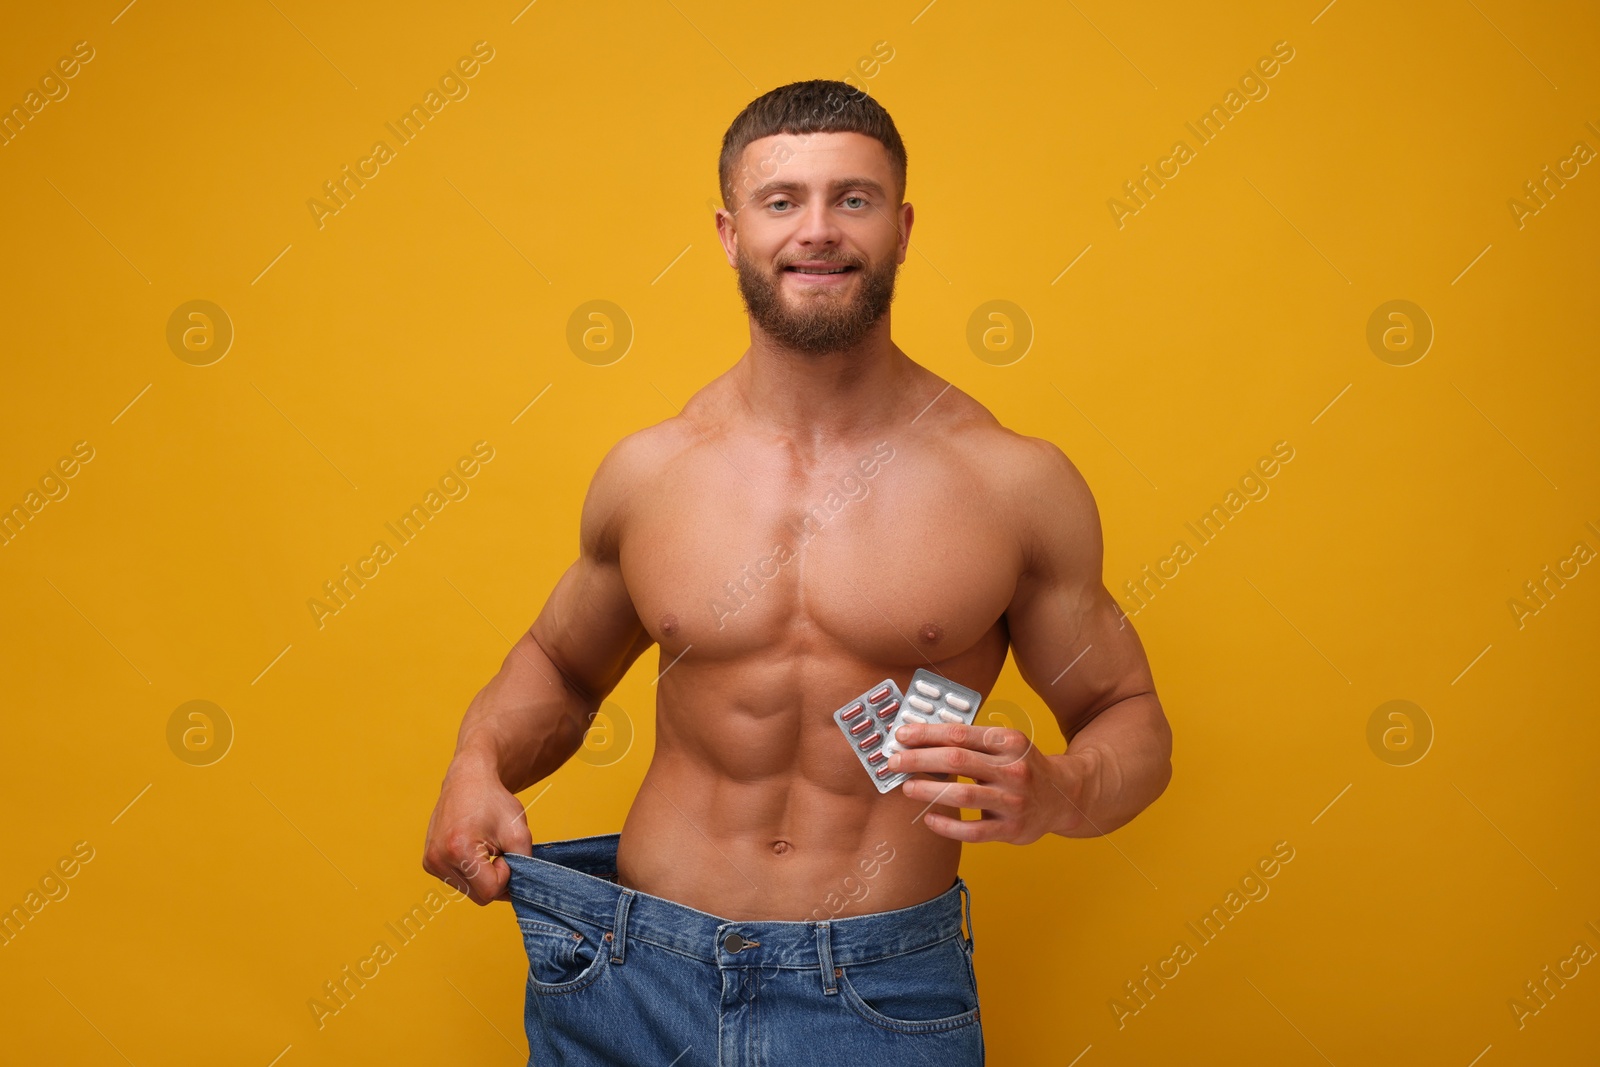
1022	793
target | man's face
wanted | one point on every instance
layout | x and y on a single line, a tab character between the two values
813	203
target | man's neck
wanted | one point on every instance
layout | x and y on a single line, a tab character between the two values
820	398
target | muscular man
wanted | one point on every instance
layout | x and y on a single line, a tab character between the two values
823	515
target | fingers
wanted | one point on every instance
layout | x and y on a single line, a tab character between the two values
487	875
1011	745
949	748
969	831
1000	814
472	870
970	796
477	820
515	836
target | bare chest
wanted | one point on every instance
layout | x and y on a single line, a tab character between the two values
895	555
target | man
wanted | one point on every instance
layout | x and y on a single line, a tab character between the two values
763	902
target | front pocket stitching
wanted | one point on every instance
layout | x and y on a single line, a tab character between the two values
886	1022
572	985
549	928
590	975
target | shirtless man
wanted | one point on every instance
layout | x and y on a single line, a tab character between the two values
727	922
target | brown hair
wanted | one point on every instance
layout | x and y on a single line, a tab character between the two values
816	106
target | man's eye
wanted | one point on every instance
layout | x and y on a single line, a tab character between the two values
862	199
775	203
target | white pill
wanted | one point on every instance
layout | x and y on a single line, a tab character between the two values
911	716
959	703
920	704
926	689
950	716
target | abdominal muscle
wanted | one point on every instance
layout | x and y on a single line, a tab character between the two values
776	823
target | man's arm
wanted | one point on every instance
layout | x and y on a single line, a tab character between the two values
1076	648
532	715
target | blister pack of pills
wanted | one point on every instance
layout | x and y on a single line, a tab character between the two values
870	720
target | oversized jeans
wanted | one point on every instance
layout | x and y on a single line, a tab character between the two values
617	976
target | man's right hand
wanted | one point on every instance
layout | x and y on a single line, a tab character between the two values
475	821
533	714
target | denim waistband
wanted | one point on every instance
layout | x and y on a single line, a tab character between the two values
576	878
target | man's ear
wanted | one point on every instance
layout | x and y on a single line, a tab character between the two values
907	216
728	234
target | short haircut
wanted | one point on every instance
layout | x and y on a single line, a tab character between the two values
816	106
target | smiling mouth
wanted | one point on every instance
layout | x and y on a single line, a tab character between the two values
819	270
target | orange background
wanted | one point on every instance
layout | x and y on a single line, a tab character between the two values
370	353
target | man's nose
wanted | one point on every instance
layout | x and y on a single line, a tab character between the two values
818	227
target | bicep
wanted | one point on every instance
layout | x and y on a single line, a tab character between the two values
1073	644
589	629
588	626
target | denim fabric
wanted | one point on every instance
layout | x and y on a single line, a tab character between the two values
616	976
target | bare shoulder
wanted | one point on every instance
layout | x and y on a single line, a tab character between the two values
1038	490
635	461
1057	518
1016	461
640	459
1040	471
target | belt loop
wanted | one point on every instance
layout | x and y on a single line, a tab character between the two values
966	909
619	928
825	953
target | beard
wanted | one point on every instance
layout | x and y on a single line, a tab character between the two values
821	321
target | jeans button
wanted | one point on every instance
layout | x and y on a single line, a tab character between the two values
733	942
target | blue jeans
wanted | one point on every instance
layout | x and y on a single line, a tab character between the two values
617	976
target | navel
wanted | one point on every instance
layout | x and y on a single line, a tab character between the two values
780	846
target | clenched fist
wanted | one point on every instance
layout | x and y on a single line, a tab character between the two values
476	820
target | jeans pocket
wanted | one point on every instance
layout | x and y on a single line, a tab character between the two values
922	991
564	955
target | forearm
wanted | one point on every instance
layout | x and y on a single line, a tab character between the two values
1123	760
525	723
